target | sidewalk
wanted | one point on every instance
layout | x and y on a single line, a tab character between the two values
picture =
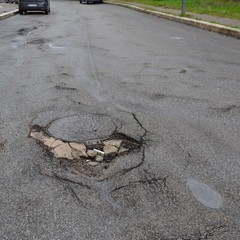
226	26
8	9
212	19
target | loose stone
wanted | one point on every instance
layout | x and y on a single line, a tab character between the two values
91	163
49	141
56	143
122	151
91	153
63	151
78	150
38	135
116	143
110	150
99	158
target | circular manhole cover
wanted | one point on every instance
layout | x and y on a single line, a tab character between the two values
82	128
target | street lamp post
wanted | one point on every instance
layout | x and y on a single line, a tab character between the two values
183	7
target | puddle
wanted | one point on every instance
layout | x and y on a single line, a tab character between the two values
204	194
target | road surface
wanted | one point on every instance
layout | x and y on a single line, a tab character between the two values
90	72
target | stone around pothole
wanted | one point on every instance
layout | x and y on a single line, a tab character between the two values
86	154
63	151
91	153
91	163
110	151
56	143
49	141
99	158
122	151
78	150
38	135
116	143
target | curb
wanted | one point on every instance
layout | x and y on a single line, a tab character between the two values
228	31
8	14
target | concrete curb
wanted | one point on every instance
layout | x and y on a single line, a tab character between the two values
8	14
228	31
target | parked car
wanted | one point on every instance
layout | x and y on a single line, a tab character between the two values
34	5
11	1
92	1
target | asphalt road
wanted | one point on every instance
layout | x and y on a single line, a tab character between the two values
103	69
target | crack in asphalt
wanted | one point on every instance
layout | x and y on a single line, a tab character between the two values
71	181
71	190
143	143
67	185
207	233
140	124
187	154
2	145
156	185
59	87
226	109
152	181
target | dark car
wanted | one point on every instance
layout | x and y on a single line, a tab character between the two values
92	1
34	5
11	1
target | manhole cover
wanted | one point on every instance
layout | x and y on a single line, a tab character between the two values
82	128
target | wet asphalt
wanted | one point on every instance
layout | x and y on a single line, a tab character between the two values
173	88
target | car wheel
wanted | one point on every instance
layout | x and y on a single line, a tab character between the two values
80	1
20	12
47	11
87	1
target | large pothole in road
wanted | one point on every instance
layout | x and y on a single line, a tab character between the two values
88	144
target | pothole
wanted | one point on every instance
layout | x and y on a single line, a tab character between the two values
37	41
25	31
84	145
